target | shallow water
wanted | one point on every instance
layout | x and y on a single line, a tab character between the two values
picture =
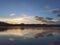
29	35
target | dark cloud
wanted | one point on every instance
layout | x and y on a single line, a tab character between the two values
58	15
55	10
51	22
42	18
44	21
38	18
49	18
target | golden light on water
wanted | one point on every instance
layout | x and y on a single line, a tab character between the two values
19	32
26	32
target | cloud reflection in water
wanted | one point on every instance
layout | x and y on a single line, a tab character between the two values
31	32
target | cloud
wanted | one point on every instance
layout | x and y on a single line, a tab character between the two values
48	18
27	19
43	19
38	18
57	22
57	10
58	15
12	14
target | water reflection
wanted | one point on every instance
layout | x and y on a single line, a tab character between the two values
29	35
33	32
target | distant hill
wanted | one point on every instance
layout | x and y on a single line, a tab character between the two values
29	25
3	23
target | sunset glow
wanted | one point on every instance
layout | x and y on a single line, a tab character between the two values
24	19
30	12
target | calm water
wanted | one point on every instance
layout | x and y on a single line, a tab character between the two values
29	35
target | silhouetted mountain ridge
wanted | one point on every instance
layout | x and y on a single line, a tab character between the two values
3	23
33	25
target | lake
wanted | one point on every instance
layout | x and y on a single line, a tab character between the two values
15	35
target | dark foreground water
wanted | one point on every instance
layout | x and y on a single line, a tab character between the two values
29	35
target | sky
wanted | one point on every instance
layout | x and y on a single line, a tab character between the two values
30	11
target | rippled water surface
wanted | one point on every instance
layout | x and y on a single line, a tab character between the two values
29	35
